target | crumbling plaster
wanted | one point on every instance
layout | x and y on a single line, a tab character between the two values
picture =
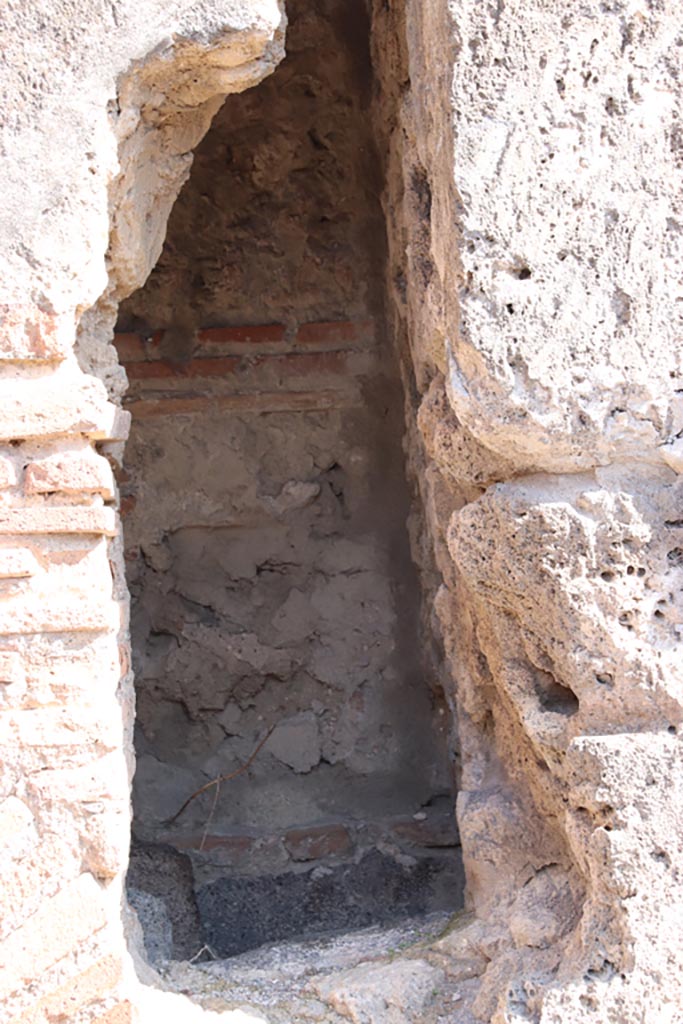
539	137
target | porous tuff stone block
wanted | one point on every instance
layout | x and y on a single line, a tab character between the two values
29	334
88	986
58	520
59	405
17	563
70	473
70	917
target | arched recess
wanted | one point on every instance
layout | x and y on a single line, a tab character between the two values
267	515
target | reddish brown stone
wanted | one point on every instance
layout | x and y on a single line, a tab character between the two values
431	832
317	842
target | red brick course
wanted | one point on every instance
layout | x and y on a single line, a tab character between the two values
317	842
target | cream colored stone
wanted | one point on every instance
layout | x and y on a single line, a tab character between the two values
8	474
17	563
73	472
51	519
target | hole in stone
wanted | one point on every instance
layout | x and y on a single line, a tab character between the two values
524	274
675	557
293	774
554	695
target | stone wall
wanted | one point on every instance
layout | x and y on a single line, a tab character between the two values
532	207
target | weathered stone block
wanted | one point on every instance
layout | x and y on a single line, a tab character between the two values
17	563
70	473
58	520
88	986
29	334
59	405
70	917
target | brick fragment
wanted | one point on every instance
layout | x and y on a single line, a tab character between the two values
58	520
29	334
317	842
70	473
62	922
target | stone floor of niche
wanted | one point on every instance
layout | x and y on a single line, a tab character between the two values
415	972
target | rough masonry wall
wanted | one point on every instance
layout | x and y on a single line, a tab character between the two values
75	128
533	188
545	334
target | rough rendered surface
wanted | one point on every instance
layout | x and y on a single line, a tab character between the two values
532	154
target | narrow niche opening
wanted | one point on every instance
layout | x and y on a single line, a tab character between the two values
265	506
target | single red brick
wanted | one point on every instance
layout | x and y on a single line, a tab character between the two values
430	832
317	842
341	332
247	335
237	845
223	366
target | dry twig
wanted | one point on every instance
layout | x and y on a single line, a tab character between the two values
217	782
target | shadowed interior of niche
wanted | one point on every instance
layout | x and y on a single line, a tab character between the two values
275	605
